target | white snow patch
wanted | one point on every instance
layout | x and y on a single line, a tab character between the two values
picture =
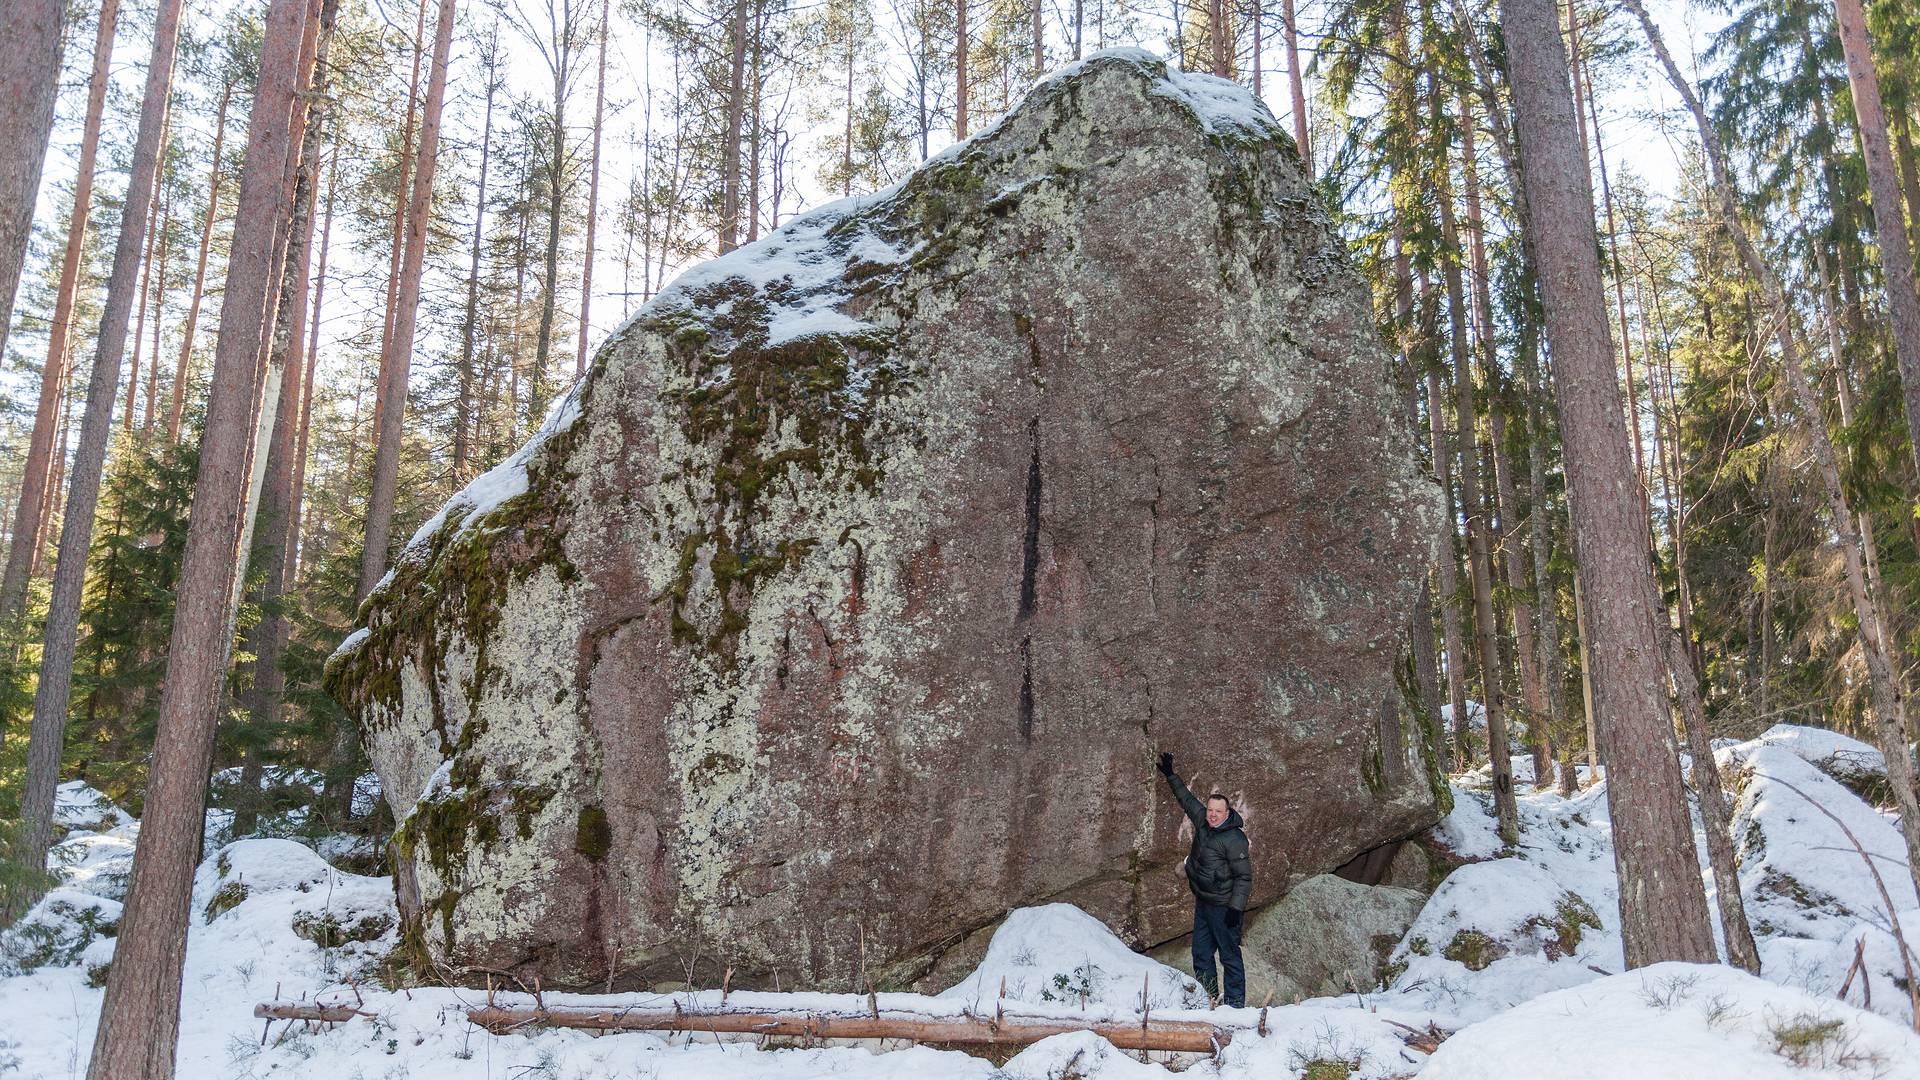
1680	1020
1058	954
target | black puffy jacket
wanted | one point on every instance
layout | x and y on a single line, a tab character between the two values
1219	866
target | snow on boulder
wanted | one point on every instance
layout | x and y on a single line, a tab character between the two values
100	863
56	931
76	805
890	547
1858	765
290	890
1487	911
1078	1054
1680	1020
1800	874
1057	954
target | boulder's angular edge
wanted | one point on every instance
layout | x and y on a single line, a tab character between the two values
744	538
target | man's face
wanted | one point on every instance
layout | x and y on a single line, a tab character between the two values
1216	813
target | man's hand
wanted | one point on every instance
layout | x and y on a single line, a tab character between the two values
1233	918
1166	764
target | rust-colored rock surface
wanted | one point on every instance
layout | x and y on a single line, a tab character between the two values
844	604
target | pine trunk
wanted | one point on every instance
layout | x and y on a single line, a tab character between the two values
33	480
1876	645
463	422
139	1019
295	509
396	362
1447	566
51	696
1663	909
1896	257
270	636
959	70
593	193
1291	36
1479	557
183	368
736	107
29	83
373	551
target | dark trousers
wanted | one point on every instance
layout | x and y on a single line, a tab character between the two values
1210	934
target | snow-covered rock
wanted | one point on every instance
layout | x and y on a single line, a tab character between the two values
1680	1020
76	805
56	931
100	863
1059	954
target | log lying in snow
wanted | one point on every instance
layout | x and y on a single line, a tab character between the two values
1189	1036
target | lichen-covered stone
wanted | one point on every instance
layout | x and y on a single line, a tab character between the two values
844	603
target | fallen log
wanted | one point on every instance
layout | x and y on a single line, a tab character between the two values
1186	1036
337	1013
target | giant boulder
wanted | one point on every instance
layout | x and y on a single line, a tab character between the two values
843	605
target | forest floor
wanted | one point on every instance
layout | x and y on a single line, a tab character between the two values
1514	967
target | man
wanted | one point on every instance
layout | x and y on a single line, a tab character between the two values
1220	873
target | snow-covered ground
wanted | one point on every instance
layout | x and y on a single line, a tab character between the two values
1516	959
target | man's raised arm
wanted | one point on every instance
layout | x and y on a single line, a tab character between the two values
1196	811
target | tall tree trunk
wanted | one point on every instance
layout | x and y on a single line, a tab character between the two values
1741	950
1040	38
33	479
270	636
29	83
1291	36
373	551
183	368
1216	35
1876	645
593	191
295	508
139	1019
464	404
736	105
159	307
1447	567
1663	909
397	361
556	207
1507	490
1896	258
1479	558
51	696
146	291
959	71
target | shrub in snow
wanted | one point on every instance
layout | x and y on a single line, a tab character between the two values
78	806
97	863
57	930
1057	954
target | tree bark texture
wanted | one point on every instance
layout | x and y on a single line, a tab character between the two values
33	479
1896	257
29	83
1663	910
396	360
50	702
139	1018
1885	692
183	369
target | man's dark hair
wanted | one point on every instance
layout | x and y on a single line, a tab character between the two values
1222	798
